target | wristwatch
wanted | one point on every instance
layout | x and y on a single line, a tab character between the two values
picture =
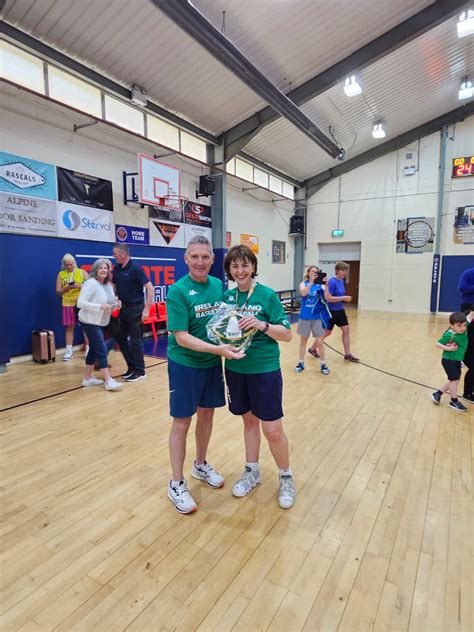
267	326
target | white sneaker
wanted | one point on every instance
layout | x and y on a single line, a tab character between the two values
112	385
68	355
181	498
207	474
92	381
286	493
249	479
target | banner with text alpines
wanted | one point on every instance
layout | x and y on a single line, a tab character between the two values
28	177
80	188
166	234
27	215
82	222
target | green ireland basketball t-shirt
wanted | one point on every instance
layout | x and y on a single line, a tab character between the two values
263	355
189	307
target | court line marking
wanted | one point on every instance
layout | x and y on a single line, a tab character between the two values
69	390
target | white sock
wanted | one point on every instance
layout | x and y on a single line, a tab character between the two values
255	467
175	483
69	348
285	472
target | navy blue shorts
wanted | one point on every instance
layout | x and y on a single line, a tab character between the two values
190	388
453	369
259	393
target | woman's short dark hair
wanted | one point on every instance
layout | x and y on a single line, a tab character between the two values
239	253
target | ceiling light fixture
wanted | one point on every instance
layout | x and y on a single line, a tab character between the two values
351	87
466	90
466	23
138	96
378	130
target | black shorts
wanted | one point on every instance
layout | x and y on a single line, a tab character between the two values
452	368
259	393
339	318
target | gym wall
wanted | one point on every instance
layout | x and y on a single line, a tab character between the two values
373	197
37	129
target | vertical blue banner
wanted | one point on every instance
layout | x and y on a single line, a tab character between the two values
435	283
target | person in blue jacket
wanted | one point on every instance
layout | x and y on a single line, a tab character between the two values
466	289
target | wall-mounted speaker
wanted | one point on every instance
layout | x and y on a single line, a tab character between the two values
207	186
296	225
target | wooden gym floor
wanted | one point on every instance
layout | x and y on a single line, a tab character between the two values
380	537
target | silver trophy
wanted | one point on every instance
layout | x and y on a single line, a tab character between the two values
223	328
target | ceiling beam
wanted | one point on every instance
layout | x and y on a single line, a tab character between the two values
315	182
195	24
240	135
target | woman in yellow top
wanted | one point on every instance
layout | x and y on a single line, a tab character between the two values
68	285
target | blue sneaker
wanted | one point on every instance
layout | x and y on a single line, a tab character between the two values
325	369
299	367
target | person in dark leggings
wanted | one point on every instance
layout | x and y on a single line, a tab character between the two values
129	280
468	392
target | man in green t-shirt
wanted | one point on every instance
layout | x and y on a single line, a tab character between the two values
194	369
454	344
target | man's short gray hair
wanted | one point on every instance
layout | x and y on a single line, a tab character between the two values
199	240
124	247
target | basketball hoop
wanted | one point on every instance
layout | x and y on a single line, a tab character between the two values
173	202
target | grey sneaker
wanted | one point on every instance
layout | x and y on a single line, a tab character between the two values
207	474
181	498
246	482
286	493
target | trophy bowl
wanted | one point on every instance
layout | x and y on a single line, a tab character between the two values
224	329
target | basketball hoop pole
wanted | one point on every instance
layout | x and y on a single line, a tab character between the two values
134	196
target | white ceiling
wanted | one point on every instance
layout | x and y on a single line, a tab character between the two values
290	41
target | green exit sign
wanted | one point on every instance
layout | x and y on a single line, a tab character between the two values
338	233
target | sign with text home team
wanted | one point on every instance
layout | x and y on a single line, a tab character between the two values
132	234
26	215
82	222
28	177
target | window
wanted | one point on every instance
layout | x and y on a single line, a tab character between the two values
123	115
260	177
75	92
288	190
162	132
275	184
194	147
21	67
230	166
243	170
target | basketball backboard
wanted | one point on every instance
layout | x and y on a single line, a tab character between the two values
157	181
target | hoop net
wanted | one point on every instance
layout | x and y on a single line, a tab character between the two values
174	204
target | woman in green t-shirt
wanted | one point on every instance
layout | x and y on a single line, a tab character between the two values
254	383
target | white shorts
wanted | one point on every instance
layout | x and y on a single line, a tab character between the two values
308	327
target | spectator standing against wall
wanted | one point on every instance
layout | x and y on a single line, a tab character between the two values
68	286
466	289
129	280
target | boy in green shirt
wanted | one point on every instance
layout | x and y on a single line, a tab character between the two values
454	345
